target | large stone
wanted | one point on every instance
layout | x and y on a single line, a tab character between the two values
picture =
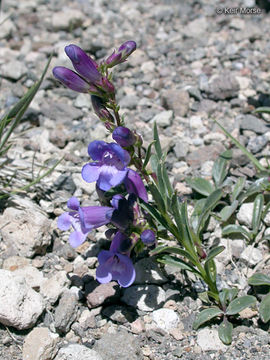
176	100
103	293
13	69
144	298
244	215
222	86
148	272
165	319
252	123
54	286
67	19
252	256
77	352
25	231
205	153
208	340
66	312
20	306
164	118
40	344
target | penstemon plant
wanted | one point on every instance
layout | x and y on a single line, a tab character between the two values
137	200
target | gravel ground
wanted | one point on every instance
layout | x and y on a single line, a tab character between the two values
195	61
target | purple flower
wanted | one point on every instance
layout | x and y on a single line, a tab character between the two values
83	63
83	220
123	136
148	237
73	81
122	53
134	185
113	265
100	109
109	168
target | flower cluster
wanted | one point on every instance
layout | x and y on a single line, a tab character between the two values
110	170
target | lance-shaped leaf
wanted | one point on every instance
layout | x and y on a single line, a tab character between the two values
211	270
179	263
227	295
259	279
148	154
158	197
264	309
220	167
257	212
173	250
214	252
161	184
205	316
227	211
257	187
202	186
167	182
240	304
157	142
225	332
238	187
236	229
262	109
154	161
210	204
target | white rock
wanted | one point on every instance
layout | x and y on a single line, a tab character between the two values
148	66
67	19
40	344
53	287
208	340
195	122
27	231
237	247
165	319
77	352
244	215
33	277
267	218
20	306
164	118
88	188
7	27
251	255
83	100
13	69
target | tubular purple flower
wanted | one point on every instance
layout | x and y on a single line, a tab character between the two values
122	53
148	237
109	170
83	63
72	80
123	136
100	109
134	185
115	266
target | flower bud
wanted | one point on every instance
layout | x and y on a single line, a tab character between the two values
148	237
123	136
106	86
72	80
99	108
122	53
83	63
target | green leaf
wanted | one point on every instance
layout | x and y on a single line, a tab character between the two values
179	263
227	295
210	204
156	215
220	168
157	196
242	148
214	252
173	250
167	181
202	186
257	187
262	109
161	182
211	270
198	208
238	187
227	211
225	332
235	229
264	309
205	316
154	162
240	304
157	142
259	279
148	154
257	212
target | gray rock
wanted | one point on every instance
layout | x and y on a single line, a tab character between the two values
222	86
67	19
20	306
60	111
66	312
257	143
181	149
13	69
120	346
32	275
83	101
165	319
148	272
244	215
54	286
97	295
25	230
176	100
198	157
119	314
163	118
145	298
129	102
77	352
267	219
251	122
40	344
208	340
251	255
196	27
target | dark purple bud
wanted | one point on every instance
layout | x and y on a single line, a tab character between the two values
134	185
148	237
72	80
99	108
106	85
123	136
83	63
122	53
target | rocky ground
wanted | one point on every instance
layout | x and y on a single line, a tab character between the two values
192	65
